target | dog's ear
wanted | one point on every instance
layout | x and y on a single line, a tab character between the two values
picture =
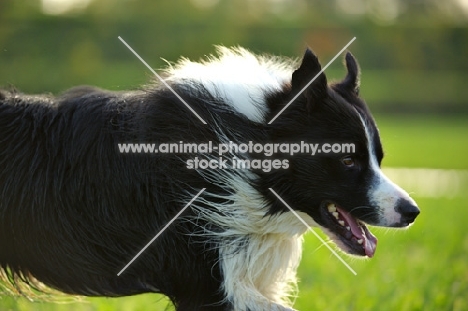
351	81
302	77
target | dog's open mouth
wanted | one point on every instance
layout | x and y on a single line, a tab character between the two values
350	233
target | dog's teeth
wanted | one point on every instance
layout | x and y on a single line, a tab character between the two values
335	214
341	222
360	241
348	227
331	207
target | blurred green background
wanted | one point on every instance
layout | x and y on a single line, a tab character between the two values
414	58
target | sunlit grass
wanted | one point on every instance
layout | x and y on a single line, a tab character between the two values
422	141
422	268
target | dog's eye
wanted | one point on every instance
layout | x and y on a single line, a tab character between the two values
348	161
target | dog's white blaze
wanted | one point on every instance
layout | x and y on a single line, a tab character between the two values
259	255
238	77
384	194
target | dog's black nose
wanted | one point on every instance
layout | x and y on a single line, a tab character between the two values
408	210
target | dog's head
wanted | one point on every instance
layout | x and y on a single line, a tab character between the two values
346	190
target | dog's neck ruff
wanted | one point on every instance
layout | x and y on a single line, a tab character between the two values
241	79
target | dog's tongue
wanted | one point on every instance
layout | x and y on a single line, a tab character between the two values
361	232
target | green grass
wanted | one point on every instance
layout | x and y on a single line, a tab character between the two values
429	142
422	268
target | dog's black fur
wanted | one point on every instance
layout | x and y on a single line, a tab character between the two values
74	211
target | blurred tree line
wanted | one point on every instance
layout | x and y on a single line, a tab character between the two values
414	54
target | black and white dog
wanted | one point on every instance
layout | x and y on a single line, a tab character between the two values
74	209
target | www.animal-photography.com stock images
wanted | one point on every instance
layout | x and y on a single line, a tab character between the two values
247	155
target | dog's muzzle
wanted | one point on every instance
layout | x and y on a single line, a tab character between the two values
408	210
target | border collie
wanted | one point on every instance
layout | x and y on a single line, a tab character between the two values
74	209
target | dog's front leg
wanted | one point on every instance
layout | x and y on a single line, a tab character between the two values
264	307
277	307
245	297
252	281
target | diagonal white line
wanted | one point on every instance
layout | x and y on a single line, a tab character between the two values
160	232
308	84
315	233
162	80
